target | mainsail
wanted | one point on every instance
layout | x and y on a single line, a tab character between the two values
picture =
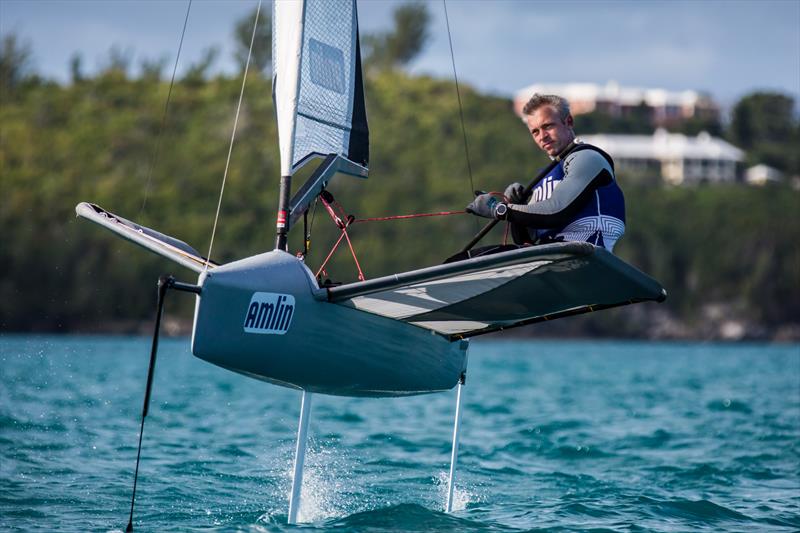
317	84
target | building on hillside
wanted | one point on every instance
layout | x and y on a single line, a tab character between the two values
664	107
677	158
762	174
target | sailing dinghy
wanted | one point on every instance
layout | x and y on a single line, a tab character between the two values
267	316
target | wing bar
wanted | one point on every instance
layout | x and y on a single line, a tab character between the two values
163	245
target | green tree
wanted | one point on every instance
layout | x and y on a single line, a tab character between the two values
639	121
197	72
261	57
118	62
766	126
400	46
640	118
15	63
151	69
76	67
694	126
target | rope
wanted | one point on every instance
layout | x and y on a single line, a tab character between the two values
342	224
460	106
335	246
417	215
344	221
309	227
353	252
164	115
233	134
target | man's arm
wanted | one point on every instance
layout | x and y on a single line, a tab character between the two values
584	171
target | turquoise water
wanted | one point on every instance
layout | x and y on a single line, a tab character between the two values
557	436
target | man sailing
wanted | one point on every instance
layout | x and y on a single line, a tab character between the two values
579	200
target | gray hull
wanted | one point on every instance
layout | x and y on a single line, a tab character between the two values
265	317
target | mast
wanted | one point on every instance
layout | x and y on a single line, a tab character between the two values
287	44
282	223
318	90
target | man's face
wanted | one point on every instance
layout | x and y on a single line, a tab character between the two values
550	132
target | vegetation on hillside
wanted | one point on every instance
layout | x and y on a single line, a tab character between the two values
723	252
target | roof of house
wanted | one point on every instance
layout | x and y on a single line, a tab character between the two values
613	92
664	145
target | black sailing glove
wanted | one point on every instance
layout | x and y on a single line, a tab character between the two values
485	205
515	194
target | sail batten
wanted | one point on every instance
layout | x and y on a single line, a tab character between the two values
317	82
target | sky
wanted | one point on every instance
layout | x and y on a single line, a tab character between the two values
727	48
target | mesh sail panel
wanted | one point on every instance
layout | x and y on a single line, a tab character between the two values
329	112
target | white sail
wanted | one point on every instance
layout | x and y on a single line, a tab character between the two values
317	84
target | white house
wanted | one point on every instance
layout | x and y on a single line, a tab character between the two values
678	158
762	174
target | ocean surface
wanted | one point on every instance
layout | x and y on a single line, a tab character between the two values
556	436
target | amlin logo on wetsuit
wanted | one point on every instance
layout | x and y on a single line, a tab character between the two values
269	313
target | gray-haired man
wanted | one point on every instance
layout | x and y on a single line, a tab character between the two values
579	200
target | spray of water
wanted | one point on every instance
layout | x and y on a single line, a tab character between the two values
461	494
331	490
324	485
